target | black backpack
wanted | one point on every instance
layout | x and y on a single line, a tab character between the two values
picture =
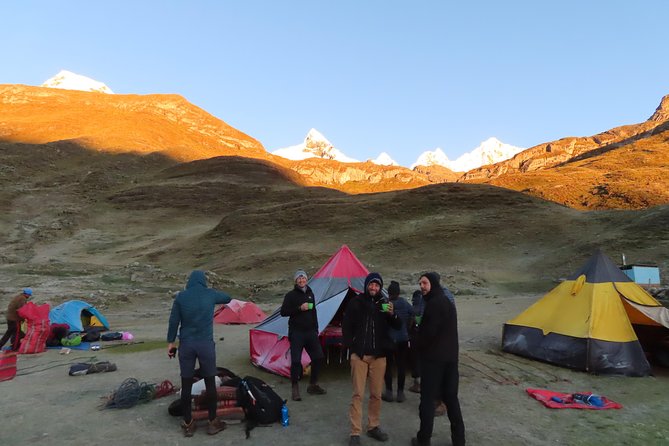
261	404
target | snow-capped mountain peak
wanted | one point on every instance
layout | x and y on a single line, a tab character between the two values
67	80
385	160
315	145
431	158
490	151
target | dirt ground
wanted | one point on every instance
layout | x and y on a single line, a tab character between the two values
43	405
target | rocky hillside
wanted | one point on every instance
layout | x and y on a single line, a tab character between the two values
551	154
622	168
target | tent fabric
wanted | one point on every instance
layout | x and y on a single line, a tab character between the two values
239	312
74	312
332	284
37	327
588	324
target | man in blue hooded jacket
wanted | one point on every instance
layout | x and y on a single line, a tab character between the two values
192	316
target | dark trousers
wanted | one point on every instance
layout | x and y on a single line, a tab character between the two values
186	397
13	334
439	381
305	340
205	354
397	359
414	360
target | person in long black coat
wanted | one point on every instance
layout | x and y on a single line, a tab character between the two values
438	352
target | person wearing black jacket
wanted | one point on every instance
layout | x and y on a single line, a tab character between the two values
299	306
366	333
438	350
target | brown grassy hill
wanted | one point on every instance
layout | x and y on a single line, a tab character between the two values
127	225
169	125
438	174
119	123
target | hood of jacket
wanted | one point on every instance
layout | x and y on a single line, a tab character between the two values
197	278
435	285
373	277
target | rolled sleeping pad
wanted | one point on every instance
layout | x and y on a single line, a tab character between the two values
225	413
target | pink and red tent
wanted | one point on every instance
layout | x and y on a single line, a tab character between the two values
239	312
269	346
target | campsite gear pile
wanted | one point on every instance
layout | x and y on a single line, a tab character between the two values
596	321
247	399
583	400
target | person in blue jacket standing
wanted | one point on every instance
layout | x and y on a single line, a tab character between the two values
192	316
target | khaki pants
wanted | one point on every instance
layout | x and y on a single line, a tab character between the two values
373	368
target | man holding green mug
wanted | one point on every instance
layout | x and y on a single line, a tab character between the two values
299	305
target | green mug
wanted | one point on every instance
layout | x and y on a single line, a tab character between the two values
418	319
385	308
310	306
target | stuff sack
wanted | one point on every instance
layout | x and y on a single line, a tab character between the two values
7	365
71	340
112	336
261	404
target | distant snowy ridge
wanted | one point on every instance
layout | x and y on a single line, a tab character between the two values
315	145
431	158
490	151
385	160
67	80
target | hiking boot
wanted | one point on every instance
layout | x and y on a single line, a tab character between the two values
315	389
388	396
415	387
354	440
188	428
215	426
377	434
296	393
400	396
439	409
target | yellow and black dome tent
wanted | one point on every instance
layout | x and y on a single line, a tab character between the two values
588	322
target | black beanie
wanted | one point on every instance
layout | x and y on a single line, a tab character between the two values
394	288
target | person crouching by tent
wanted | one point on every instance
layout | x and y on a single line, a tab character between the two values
368	318
192	316
299	305
13	332
438	351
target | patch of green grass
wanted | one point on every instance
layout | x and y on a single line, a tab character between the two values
109	280
134	347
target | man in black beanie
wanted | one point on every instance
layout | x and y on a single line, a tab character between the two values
438	351
368	318
299	305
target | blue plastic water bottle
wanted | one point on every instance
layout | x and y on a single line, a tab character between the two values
285	417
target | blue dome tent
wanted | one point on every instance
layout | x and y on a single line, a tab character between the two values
78	315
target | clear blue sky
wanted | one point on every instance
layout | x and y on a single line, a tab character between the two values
371	75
